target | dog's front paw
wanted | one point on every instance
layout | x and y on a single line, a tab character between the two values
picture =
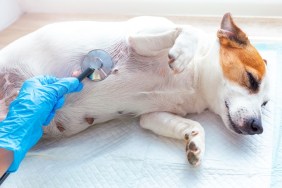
195	147
182	52
178	60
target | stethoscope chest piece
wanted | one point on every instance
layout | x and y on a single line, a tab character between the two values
96	65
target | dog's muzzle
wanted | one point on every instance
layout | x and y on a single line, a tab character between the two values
250	125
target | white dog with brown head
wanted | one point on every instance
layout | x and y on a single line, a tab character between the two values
162	72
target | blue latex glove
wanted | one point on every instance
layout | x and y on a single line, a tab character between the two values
36	104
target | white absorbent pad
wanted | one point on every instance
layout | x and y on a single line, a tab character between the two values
121	154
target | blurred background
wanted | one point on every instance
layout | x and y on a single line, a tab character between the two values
10	10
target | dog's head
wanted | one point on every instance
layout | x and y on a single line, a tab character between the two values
243	88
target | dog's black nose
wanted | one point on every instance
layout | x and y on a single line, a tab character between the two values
254	126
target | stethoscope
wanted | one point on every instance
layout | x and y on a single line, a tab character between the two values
96	65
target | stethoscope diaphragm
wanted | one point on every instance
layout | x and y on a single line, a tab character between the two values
96	65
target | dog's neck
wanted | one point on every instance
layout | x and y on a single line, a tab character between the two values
210	76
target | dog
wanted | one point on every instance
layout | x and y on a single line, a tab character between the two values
162	72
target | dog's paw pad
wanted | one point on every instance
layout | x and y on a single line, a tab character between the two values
178	60
186	137
171	59
182	52
193	158
175	63
194	147
193	153
194	133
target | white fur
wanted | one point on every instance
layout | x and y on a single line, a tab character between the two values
143	84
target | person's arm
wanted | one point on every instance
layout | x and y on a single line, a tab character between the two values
35	106
6	159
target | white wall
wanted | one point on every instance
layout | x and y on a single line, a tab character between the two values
157	7
10	11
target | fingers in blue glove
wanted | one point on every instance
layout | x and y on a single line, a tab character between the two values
66	86
49	118
58	105
43	80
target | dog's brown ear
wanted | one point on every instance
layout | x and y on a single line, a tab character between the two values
230	34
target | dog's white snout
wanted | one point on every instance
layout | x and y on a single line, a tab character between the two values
244	119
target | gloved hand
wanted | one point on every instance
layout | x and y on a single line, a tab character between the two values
35	106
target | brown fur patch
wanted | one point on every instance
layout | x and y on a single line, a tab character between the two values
240	61
236	62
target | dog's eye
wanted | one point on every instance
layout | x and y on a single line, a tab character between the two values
264	103
253	82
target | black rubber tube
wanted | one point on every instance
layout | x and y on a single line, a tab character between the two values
2	179
85	73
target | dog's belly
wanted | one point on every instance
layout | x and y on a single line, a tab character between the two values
138	84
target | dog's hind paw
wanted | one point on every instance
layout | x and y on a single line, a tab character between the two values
195	147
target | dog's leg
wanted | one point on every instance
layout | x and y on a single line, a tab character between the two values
184	49
170	125
180	44
151	42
